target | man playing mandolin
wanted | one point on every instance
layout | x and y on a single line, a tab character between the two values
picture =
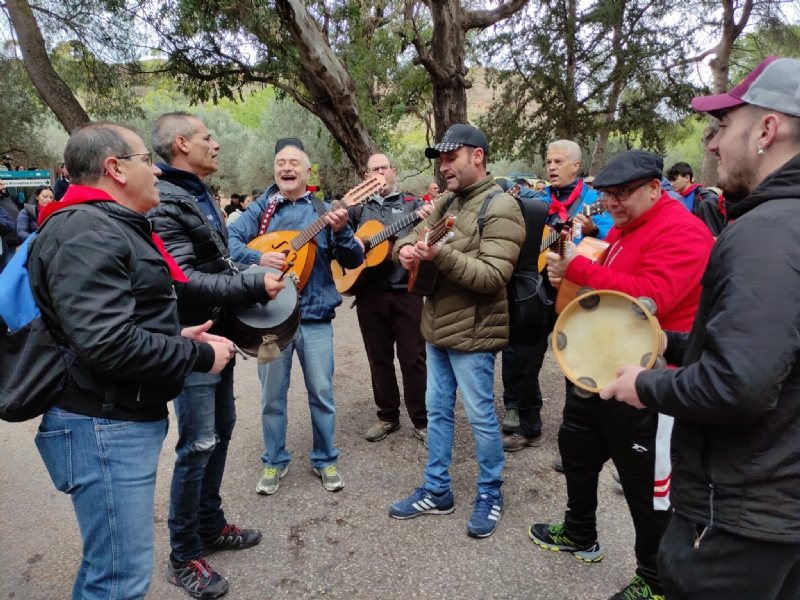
658	250
465	322
293	208
388	314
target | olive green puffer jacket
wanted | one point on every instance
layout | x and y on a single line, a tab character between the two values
468	309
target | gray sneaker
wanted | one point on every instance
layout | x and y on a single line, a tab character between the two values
270	480
422	434
381	429
331	479
511	422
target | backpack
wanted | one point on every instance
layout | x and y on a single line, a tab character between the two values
530	310
34	365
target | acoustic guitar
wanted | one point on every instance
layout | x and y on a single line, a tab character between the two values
374	237
422	275
552	234
300	247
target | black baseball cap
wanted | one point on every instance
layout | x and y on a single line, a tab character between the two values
284	142
457	136
632	165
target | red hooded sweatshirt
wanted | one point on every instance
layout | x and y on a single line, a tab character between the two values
662	255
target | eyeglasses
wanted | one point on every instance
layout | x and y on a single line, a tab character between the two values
148	161
624	194
381	168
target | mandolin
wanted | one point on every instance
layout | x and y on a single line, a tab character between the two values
373	235
422	275
300	247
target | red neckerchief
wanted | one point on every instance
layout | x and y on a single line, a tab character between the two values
721	205
689	189
78	194
561	207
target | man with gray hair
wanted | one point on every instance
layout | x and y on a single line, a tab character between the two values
193	228
289	206
106	289
567	195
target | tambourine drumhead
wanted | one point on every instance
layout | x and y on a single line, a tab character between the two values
280	317
601	331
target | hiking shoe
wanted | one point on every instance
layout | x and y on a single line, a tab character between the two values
423	502
552	537
331	479
486	515
511	422
231	537
197	578
637	588
381	429
516	442
422	434
270	480
558	465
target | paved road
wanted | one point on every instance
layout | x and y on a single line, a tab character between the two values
343	545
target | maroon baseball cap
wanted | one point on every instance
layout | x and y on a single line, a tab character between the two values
774	84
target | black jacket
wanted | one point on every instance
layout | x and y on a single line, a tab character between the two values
736	400
189	237
707	209
395	206
105	289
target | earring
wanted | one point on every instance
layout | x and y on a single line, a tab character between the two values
761	151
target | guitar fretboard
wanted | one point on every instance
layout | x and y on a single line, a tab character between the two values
384	235
310	232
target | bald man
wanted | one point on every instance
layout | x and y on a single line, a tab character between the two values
388	315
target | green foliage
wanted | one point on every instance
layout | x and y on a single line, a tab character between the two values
23	118
583	69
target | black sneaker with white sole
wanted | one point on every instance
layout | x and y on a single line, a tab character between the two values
553	537
197	578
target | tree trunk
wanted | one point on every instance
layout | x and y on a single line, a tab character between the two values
720	67
328	83
51	88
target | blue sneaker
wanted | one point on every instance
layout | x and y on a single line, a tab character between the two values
486	515
423	502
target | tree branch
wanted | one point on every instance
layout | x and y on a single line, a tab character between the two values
424	57
481	19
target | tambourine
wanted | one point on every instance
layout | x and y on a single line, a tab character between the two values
602	330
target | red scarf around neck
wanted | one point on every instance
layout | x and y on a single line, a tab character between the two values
78	194
562	207
685	193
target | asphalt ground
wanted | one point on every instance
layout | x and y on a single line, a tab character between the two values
319	544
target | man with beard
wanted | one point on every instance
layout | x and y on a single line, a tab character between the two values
192	226
735	532
465	322
291	207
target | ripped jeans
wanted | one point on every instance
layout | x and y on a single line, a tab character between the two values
206	415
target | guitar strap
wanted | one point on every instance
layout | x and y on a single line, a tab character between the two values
267	216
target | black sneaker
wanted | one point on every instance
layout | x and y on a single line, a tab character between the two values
635	590
197	578
231	537
552	537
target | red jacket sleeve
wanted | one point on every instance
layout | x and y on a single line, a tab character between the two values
668	269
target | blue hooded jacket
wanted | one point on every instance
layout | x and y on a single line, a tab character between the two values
319	299
588	196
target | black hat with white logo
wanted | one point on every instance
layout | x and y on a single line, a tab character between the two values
457	136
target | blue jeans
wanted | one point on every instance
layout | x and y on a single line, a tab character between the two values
473	373
314	345
109	469
206	414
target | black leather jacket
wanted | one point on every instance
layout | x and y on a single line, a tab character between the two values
107	294
189	237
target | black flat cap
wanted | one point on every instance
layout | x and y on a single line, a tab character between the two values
632	165
283	142
457	136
